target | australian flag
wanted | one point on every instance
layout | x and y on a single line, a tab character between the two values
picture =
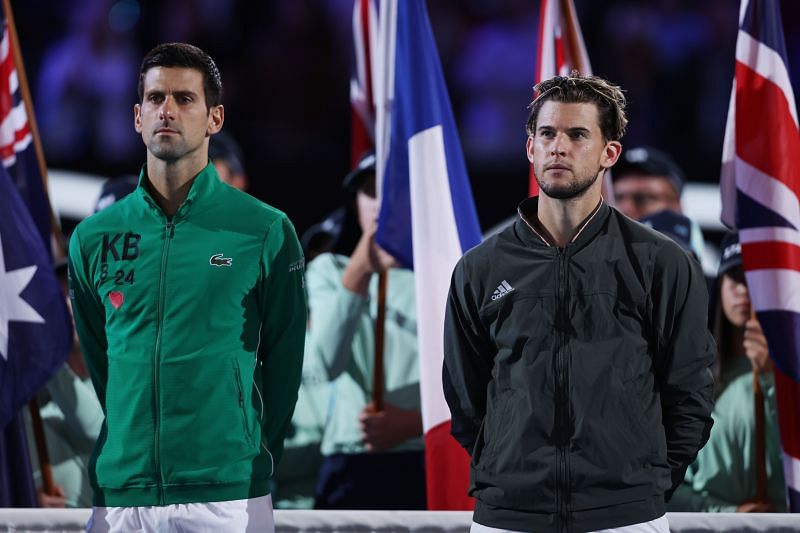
761	198
427	217
35	328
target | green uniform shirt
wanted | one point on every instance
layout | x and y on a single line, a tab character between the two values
724	474
193	329
343	336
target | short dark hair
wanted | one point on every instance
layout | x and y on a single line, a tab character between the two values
577	89
183	55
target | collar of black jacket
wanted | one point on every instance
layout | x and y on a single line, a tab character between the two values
203	186
533	233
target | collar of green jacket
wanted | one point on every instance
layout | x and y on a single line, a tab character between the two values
203	186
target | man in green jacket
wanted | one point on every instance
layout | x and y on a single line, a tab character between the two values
189	303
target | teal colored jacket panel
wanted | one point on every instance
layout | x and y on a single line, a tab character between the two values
342	335
193	333
724	474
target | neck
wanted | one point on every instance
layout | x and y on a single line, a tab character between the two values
562	218
170	181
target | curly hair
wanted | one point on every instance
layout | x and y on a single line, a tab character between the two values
577	89
183	55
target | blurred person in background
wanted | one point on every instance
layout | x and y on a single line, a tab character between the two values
724	477
188	300
647	181
71	417
225	153
359	442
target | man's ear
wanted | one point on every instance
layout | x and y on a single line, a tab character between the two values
529	148
611	153
216	117
137	118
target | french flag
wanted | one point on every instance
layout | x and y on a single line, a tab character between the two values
760	187
427	216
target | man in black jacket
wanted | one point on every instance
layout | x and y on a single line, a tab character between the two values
576	347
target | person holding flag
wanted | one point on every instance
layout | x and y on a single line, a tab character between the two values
577	357
360	440
732	472
189	304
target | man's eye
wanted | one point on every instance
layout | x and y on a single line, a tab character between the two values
578	135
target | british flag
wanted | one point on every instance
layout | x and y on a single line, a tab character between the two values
761	197
362	99
16	139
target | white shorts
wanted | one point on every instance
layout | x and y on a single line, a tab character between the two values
659	525
249	515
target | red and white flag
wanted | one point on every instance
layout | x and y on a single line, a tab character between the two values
760	187
362	97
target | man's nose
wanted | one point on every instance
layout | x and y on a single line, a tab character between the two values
559	144
166	109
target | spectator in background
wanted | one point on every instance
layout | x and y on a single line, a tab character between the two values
723	478
72	417
225	153
359	442
647	181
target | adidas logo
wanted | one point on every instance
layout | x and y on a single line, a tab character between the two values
501	290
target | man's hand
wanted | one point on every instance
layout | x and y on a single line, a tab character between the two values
755	507
386	429
57	500
755	345
367	259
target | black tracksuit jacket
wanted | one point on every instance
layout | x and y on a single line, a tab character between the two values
578	377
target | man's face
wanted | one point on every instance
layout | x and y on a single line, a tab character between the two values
639	195
568	151
172	118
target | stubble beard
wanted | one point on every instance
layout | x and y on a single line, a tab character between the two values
574	189
168	150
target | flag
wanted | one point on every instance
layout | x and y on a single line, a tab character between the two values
16	140
362	101
427	217
760	187
560	50
35	329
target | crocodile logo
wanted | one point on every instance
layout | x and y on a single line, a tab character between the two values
218	261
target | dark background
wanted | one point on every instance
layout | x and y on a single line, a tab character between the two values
286	69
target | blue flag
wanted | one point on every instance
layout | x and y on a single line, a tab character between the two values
427	217
35	328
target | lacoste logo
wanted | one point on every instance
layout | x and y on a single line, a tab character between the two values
218	261
501	290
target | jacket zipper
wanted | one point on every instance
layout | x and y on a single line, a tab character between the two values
562	395
169	232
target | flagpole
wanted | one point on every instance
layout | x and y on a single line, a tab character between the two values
41	448
575	44
57	242
380	328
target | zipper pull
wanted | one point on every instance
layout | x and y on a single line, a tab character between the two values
241	399
170	229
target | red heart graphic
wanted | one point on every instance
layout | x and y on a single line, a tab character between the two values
116	298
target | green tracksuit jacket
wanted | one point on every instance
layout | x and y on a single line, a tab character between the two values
193	330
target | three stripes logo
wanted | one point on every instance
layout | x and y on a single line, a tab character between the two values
501	290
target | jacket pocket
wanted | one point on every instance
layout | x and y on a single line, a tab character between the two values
248	434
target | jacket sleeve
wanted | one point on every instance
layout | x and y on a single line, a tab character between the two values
89	316
685	352
335	314
467	361
283	310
